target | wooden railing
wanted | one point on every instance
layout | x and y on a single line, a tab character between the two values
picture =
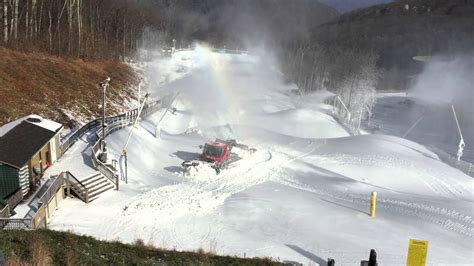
116	123
52	190
102	168
69	140
8	223
39	218
76	186
5	212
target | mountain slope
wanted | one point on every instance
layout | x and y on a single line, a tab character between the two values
403	29
237	21
345	6
58	88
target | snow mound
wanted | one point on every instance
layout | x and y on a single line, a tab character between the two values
305	191
302	123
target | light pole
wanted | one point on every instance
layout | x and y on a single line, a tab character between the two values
103	155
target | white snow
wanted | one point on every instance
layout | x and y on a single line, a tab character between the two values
303	196
44	123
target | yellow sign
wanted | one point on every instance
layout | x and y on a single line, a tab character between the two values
417	251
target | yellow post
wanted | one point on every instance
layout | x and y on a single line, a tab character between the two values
373	204
417	251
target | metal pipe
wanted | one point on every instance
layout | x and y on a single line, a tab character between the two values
413	126
134	124
457	122
164	114
462	144
349	115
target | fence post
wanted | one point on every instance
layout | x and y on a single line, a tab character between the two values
45	221
373	204
68	185
117	181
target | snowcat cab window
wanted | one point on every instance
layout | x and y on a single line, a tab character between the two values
214	151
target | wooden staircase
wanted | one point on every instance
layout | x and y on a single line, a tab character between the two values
96	184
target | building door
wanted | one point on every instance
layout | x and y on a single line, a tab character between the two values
48	159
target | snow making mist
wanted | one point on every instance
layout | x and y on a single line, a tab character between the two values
219	89
445	82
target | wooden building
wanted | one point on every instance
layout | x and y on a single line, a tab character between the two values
28	147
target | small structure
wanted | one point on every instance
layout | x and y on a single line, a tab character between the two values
27	147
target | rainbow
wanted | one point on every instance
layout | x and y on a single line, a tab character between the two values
224	89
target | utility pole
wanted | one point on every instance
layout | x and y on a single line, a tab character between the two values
103	156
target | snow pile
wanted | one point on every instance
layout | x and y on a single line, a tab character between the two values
304	195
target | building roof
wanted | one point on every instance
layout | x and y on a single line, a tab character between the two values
45	123
23	141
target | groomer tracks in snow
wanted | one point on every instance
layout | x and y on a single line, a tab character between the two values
305	191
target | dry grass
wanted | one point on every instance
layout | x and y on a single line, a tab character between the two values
39	255
45	84
44	247
139	243
40	251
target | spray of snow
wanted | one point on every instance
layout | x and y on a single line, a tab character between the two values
306	189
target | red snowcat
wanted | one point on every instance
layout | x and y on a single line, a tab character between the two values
218	154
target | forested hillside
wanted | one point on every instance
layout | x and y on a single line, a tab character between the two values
235	22
89	39
359	51
374	48
81	28
109	28
398	31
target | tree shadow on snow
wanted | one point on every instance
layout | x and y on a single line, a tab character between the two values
308	254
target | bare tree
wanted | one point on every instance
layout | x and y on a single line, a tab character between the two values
5	21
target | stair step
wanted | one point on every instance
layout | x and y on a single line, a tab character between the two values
89	178
95	195
95	183
98	187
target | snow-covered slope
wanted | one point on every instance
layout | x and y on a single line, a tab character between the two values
431	123
304	195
